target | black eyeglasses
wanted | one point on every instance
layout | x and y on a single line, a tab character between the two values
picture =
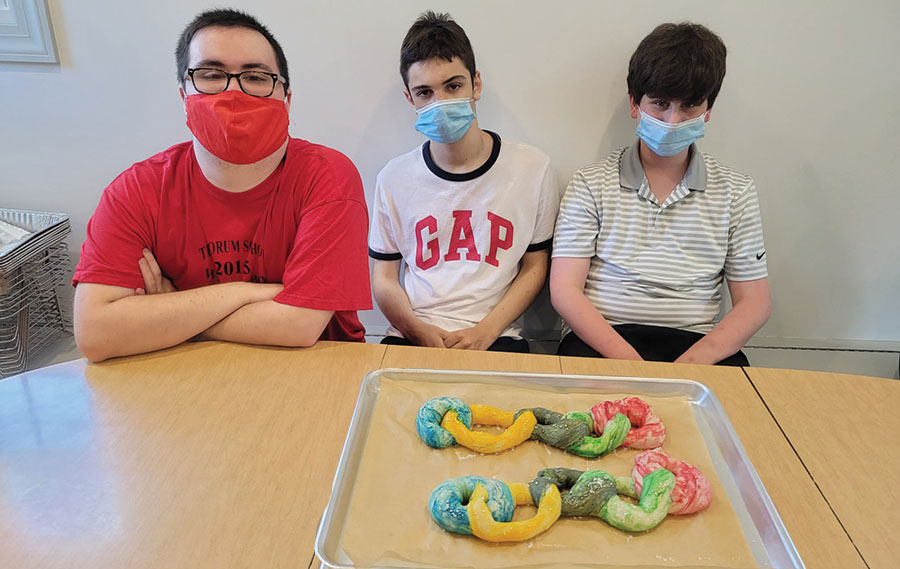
209	81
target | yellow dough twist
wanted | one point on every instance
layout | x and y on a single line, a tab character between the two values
485	527
517	430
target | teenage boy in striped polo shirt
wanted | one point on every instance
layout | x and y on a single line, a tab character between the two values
645	238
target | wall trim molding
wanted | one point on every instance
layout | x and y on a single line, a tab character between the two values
25	32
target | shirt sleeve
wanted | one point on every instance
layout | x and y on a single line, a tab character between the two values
382	237
327	268
745	259
578	223
548	209
117	233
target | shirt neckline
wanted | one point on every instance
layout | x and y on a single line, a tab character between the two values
465	176
261	189
631	172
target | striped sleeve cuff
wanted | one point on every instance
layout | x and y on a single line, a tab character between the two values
540	246
385	256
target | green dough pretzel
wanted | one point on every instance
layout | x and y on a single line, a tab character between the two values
595	493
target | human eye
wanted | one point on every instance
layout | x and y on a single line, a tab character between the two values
209	74
660	103
256	77
454	86
423	94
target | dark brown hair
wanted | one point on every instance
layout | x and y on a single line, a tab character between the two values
226	18
435	35
683	61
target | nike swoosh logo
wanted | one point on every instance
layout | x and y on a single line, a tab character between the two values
760	255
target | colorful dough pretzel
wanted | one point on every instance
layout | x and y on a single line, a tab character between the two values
446	421
647	429
483	507
692	491
489	510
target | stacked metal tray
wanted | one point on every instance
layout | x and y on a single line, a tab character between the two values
32	270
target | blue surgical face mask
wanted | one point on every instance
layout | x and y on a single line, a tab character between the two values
445	121
668	139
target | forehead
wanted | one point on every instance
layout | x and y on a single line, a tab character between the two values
435	71
233	47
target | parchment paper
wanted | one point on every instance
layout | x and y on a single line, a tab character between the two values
389	523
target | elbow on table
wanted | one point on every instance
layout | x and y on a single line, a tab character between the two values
306	331
91	345
302	338
98	339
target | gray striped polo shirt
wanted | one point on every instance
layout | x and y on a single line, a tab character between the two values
661	264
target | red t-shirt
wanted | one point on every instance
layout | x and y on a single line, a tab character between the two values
304	226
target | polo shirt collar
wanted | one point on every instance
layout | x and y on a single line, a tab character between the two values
632	176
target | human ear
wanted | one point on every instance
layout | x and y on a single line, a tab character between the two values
476	86
635	113
408	96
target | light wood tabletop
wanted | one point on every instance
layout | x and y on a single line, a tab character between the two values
222	455
845	429
206	455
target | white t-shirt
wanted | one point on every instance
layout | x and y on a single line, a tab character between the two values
461	236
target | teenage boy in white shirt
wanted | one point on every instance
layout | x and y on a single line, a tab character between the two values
469	215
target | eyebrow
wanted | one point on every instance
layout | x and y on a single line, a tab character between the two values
450	80
217	63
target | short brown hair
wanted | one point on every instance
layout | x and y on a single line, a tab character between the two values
435	35
226	18
683	61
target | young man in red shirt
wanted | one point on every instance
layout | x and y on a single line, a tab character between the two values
241	234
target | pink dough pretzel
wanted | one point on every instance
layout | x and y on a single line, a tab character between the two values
647	429
692	491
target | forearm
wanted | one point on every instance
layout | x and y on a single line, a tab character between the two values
271	323
522	292
729	335
135	324
568	276
588	324
394	304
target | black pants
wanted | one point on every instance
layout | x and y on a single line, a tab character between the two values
501	344
653	343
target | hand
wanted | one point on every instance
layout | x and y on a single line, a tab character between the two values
154	281
474	338
428	336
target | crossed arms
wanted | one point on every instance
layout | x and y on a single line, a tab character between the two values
113	321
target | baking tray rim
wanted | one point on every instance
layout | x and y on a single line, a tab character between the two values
366	392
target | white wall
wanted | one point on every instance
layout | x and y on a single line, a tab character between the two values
809	108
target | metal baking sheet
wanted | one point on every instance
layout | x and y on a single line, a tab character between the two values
766	535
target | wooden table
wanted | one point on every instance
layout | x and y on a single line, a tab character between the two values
833	420
222	455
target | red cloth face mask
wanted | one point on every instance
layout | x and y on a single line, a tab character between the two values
237	127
